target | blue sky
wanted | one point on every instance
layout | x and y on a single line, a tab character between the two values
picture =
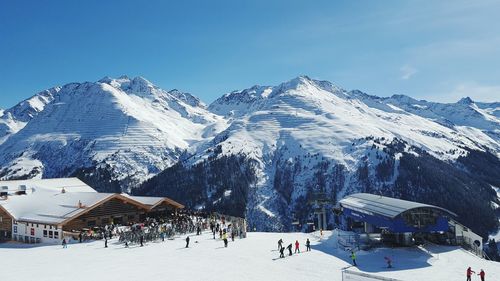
435	50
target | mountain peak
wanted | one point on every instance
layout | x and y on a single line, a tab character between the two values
465	101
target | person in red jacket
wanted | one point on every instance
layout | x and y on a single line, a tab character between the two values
482	274
297	246
469	273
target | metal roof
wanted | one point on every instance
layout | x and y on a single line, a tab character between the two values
381	205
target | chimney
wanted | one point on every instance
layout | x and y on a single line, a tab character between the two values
4	192
80	205
21	190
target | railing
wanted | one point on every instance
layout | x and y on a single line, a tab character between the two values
348	275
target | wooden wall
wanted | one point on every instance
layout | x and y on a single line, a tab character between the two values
114	209
5	225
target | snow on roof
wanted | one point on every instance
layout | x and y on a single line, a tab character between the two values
54	185
45	202
153	201
381	205
50	207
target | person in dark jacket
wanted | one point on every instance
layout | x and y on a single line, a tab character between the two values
280	244
469	273
308	245
289	249
187	242
80	237
105	242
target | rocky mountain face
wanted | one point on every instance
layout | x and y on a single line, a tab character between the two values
266	152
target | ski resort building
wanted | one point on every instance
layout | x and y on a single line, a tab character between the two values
403	222
46	210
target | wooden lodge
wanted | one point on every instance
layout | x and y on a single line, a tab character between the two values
47	210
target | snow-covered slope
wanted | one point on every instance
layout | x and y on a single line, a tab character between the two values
129	125
250	259
15	118
310	136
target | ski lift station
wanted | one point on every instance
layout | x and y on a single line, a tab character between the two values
402	222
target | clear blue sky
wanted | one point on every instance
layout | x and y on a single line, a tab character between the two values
436	50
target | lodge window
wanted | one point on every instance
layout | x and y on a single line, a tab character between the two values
91	223
15	228
32	232
56	234
105	221
51	234
37	225
45	233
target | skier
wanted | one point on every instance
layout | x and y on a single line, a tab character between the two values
469	273
64	243
80	237
214	232
289	249
142	240
225	239
297	246
282	250
482	274
280	244
187	242
389	262
105	242
198	230
308	245
353	257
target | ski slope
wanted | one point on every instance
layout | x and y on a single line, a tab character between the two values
254	258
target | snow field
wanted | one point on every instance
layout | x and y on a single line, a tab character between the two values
253	258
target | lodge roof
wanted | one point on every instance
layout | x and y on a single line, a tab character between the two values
56	201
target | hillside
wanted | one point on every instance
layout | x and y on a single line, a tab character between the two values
305	136
265	152
125	130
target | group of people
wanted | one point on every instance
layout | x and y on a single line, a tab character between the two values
470	272
281	247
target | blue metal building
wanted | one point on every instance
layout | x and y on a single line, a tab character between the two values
375	213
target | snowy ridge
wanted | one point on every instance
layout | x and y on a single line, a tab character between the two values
15	118
130	124
295	127
299	137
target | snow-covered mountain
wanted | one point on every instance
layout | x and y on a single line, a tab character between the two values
128	129
307	137
267	152
15	118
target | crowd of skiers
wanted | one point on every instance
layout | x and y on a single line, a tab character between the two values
281	247
470	272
